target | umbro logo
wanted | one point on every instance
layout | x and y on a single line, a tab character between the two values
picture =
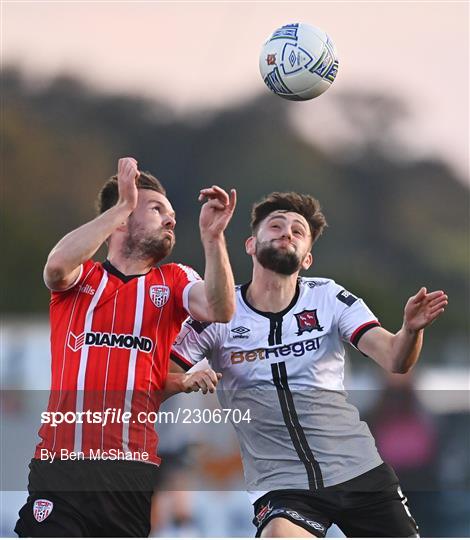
240	332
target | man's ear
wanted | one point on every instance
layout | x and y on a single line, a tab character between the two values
308	261
250	245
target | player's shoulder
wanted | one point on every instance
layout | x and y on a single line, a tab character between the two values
318	285
315	282
326	287
176	270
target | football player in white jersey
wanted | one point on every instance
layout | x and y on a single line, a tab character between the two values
309	461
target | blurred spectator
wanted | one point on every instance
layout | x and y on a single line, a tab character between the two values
406	436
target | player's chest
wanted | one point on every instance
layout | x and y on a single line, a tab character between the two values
108	300
254	342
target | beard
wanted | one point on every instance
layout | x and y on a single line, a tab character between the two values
279	261
141	245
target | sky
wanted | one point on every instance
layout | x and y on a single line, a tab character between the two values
205	55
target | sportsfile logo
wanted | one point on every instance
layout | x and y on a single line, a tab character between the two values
294	349
104	339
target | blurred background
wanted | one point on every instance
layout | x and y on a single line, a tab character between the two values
177	86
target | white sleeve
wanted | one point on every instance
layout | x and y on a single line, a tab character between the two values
354	318
194	343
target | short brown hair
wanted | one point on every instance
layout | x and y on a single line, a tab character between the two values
305	205
109	193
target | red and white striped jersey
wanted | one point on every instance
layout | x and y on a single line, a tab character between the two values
110	340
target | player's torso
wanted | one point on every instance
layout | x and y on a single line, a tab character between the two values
287	370
110	340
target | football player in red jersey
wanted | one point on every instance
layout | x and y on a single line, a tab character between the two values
112	326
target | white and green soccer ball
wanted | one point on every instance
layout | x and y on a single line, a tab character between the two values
298	62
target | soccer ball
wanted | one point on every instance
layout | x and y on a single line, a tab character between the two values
298	62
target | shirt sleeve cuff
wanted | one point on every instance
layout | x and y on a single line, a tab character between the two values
180	361
186	294
361	330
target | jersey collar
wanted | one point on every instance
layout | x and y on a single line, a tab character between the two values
115	272
270	314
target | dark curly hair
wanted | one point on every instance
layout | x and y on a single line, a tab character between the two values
305	205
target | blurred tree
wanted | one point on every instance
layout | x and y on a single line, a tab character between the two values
394	224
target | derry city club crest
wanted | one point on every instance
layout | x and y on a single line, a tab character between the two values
41	509
159	294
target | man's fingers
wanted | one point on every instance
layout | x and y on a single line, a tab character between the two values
212	375
437	300
202	385
233	199
438	306
216	204
215	192
433	315
205	381
435	294
420	295
127	167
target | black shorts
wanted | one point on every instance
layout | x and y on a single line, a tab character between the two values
370	505
87	498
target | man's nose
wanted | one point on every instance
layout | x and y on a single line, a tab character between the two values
169	221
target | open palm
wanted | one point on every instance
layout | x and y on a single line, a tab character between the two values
424	308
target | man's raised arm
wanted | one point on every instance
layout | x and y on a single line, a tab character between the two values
63	263
399	352
214	298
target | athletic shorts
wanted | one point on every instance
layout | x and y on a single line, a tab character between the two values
370	505
87	498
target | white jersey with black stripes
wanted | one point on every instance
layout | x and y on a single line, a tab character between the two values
287	370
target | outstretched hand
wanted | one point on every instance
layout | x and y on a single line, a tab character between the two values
424	308
216	212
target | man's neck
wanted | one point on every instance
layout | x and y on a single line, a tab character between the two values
269	291
130	267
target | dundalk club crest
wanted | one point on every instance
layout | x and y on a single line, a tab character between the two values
159	294
307	321
42	509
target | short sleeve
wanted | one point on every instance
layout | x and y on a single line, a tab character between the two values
85	270
354	318
194	343
184	278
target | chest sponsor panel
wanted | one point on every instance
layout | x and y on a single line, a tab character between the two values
111	340
296	349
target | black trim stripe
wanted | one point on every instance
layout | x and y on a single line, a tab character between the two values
296	432
275	331
359	332
182	362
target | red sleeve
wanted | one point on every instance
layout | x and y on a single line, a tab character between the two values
85	271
